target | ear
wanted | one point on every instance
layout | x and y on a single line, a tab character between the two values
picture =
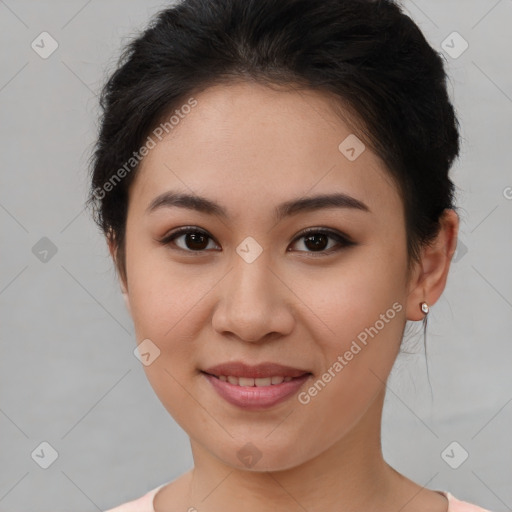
429	277
113	252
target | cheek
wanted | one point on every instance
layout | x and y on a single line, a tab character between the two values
357	356
353	295
169	305
362	312
167	309
365	327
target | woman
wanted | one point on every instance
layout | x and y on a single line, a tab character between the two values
272	181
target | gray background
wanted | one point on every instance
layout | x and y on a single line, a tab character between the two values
68	375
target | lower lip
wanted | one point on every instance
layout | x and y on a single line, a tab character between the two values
256	397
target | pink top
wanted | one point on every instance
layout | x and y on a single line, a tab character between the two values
145	503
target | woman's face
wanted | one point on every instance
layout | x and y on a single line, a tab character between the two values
253	288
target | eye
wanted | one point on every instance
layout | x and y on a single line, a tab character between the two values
317	240
194	239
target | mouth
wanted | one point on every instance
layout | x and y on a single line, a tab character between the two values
255	387
264	374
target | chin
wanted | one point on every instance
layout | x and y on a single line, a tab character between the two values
261	456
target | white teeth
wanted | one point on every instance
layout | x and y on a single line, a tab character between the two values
259	382
264	381
245	381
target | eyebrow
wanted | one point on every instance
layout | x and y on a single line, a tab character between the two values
306	204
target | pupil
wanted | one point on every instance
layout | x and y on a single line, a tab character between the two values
194	237
320	245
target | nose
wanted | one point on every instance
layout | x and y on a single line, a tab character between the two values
253	303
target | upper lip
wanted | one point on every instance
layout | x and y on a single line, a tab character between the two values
262	370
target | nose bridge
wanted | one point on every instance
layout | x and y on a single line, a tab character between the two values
252	283
252	304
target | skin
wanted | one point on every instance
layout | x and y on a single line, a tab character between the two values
250	148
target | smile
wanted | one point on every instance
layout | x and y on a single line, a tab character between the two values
255	393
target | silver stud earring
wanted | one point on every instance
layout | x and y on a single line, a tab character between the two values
424	307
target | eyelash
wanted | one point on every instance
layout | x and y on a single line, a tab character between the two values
343	241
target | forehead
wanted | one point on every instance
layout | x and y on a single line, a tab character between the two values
248	143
